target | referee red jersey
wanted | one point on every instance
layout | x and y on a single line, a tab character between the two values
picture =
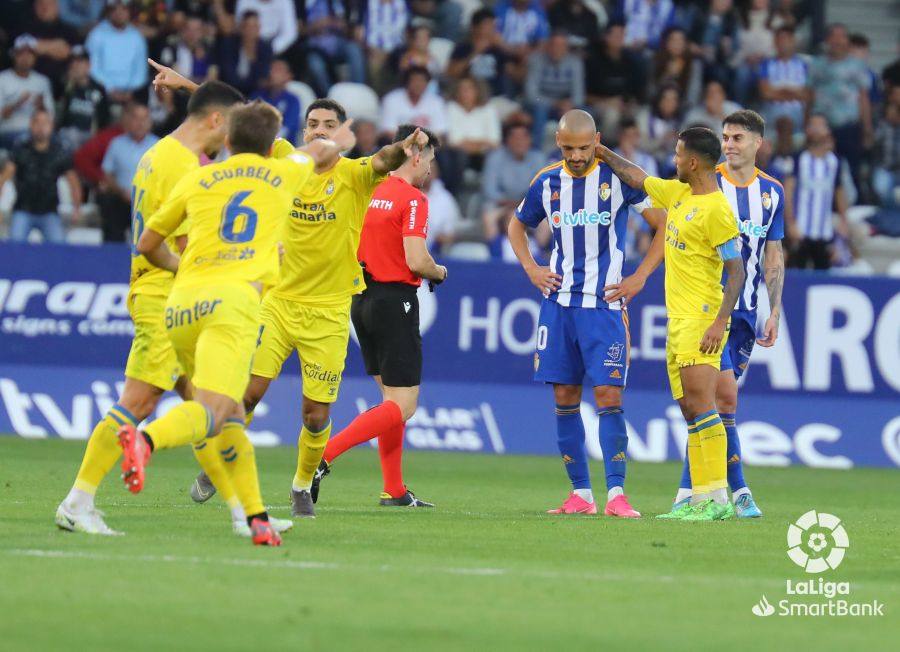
397	210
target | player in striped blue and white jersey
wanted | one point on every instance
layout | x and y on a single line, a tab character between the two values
758	202
583	325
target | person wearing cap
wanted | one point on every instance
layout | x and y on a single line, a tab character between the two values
84	107
54	42
22	90
118	53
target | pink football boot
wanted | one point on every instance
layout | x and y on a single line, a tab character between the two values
575	504
619	506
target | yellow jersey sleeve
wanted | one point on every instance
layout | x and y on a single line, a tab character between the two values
663	192
363	177
296	168
721	226
281	148
171	215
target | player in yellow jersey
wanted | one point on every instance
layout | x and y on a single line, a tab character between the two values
235	211
309	310
152	368
701	232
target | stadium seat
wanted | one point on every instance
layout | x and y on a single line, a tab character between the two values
441	49
360	101
303	92
472	251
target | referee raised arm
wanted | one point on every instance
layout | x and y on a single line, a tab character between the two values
386	317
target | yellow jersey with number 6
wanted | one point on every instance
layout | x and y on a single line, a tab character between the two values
159	170
695	226
236	212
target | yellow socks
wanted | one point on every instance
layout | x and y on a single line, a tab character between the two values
207	454
102	449
699	477
239	461
311	447
714	444
188	423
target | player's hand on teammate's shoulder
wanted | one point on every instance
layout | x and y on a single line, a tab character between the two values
544	279
626	289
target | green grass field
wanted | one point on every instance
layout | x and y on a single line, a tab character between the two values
486	570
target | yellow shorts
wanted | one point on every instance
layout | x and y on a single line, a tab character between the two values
152	359
214	331
318	333
683	349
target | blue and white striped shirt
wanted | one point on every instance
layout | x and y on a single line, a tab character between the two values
522	27
588	216
759	208
816	178
793	73
386	24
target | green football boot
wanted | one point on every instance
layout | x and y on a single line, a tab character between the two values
679	510
710	510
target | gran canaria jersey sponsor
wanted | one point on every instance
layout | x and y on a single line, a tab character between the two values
322	235
236	216
159	170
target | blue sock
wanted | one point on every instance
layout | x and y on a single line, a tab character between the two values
735	465
614	442
570	437
686	472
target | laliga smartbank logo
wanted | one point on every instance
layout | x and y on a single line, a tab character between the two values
817	543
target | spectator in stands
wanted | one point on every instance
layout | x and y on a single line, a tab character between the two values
645	22
84	107
88	158
276	94
523	26
675	64
715	33
414	52
812	190
119	165
783	81
330	43
659	126
473	125
886	175
840	86
783	149
443	212
22	92
629	147
578	21
861	49
890	76
187	52
244	58
367	143
54	42
81	14
413	104
507	174
36	166
482	56
445	15
755	42
386	32
118	54
614	78
715	107
555	83
277	20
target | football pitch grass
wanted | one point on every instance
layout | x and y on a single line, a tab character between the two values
487	569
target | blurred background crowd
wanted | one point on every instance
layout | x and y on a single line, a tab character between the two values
77	111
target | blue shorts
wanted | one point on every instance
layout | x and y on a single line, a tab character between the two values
739	347
577	343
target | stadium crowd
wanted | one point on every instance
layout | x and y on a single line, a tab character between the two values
490	78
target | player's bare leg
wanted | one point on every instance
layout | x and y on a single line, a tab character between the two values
726	403
310	448
614	443
570	439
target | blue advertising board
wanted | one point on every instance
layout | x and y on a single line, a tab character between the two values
826	395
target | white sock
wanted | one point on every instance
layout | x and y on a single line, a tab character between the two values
683	494
612	493
79	500
696	499
740	492
238	515
299	488
585	494
720	496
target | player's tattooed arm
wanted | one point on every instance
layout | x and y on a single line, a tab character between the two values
774	264
734	266
167	79
153	247
390	157
627	171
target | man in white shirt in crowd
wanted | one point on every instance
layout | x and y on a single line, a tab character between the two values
277	21
22	91
414	104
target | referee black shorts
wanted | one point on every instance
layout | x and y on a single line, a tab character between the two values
386	319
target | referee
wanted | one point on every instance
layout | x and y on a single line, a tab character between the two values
395	259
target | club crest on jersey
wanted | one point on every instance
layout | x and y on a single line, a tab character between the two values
766	201
329	189
604	191
677	204
691	215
